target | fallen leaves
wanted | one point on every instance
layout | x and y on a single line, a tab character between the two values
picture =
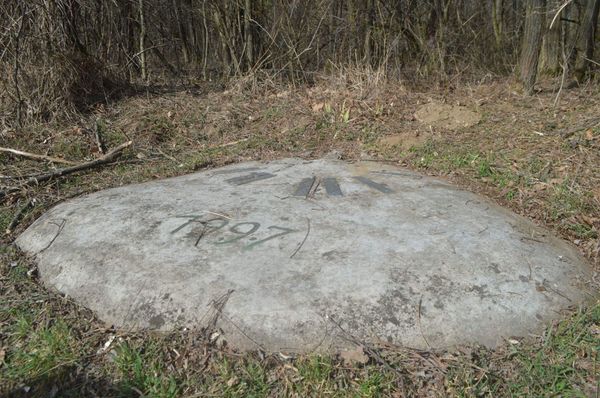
353	357
318	107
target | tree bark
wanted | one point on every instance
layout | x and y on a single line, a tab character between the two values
143	66
587	33
182	33
550	56
532	43
498	21
248	34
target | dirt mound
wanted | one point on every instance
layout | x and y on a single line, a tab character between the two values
404	141
447	116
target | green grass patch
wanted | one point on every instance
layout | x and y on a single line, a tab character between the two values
445	158
38	352
566	364
6	215
583	231
71	148
566	201
143	369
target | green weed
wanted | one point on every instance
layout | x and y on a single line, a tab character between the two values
565	365
142	369
38	352
566	201
583	231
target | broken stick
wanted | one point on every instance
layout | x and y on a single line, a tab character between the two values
98	137
568	132
35	156
18	215
34	180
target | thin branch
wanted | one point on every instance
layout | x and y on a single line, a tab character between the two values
566	133
562	7
98	137
18	215
35	156
35	180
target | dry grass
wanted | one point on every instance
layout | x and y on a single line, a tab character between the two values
512	156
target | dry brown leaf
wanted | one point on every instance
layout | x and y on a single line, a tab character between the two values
589	220
584	364
352	357
232	382
555	181
318	106
589	134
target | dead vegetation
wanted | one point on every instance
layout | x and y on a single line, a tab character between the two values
485	136
62	57
512	152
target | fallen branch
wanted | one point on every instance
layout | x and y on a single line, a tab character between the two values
566	133
232	143
35	180
35	156
167	156
15	221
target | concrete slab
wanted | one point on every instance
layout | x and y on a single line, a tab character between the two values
290	249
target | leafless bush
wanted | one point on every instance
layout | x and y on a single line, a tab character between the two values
58	56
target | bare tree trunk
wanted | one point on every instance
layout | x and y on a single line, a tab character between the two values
182	33
17	67
142	49
225	53
587	33
369	17
248	34
550	55
498	20
206	38
532	43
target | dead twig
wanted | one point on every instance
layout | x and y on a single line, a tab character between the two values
35	156
232	143
566	133
218	305
35	180
367	349
98	137
419	321
166	156
15	221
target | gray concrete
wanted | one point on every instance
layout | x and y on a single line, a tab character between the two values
291	248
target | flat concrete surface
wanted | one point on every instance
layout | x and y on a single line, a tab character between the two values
287	254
